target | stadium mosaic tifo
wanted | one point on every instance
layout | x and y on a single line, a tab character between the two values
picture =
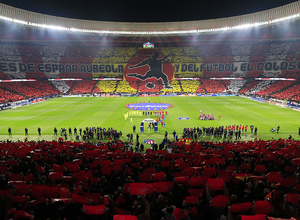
148	106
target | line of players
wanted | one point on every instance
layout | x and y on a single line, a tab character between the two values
221	131
90	133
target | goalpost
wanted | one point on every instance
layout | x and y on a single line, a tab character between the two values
278	102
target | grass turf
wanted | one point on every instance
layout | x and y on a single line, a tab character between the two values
107	112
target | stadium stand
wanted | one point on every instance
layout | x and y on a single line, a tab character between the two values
84	87
213	86
107	86
7	96
230	179
113	180
124	87
189	86
115	58
247	86
176	87
61	86
275	87
31	89
290	93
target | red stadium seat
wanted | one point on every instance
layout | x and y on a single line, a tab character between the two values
64	200
191	200
39	169
119	211
231	168
120	201
220	201
77	161
124	217
263	207
246	166
58	168
106	171
23	189
52	192
179	214
20	214
5	193
72	167
94	197
136	165
117	168
225	175
292	198
254	217
190	171
81	199
150	170
291	182
138	188
196	181
20	199
3	169
165	163
65	193
55	175
273	177
296	161
215	184
196	192
38	191
161	187
145	177
15	177
94	209
289	169
158	177
260	169
241	207
29	178
182	179
209	171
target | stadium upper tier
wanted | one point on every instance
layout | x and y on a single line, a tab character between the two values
261	61
286	12
266	68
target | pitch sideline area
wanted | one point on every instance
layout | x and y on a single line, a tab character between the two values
81	112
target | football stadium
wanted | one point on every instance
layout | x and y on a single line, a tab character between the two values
171	120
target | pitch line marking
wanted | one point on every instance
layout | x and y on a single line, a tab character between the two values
53	109
242	108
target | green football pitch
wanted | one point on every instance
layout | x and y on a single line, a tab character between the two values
107	112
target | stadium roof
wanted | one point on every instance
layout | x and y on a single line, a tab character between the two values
149	11
267	17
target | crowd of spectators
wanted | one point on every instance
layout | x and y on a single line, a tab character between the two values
124	87
30	89
204	53
177	88
213	86
189	86
6	96
280	90
107	86
195	180
274	88
61	86
291	93
84	87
